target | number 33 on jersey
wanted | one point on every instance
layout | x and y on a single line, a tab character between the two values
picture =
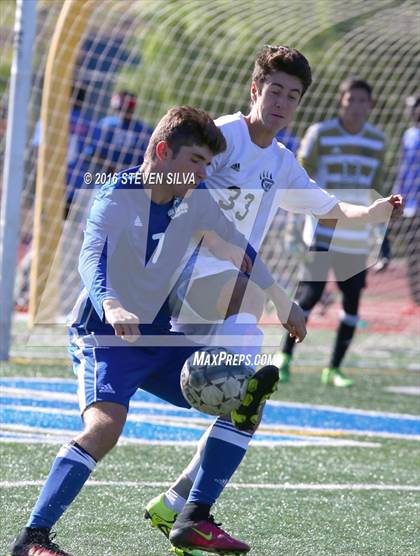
250	183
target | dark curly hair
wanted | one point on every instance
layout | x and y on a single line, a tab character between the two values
281	58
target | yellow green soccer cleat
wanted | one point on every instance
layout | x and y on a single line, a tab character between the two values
163	519
332	376
260	387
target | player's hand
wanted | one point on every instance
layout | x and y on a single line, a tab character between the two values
383	209
381	265
124	323
288	312
228	252
397	203
296	325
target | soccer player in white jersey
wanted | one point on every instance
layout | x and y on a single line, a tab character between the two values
345	153
250	180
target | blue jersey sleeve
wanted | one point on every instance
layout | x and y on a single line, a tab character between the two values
102	232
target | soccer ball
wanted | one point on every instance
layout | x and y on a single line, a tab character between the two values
212	385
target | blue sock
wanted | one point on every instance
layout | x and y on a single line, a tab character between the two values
243	325
69	472
225	448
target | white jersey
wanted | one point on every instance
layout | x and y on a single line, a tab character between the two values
251	183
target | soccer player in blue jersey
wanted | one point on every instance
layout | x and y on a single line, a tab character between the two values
119	140
136	235
408	184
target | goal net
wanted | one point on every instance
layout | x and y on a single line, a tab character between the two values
198	53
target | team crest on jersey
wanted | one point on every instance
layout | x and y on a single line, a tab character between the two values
267	181
179	207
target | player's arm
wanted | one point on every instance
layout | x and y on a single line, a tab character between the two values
303	195
290	314
378	212
224	250
308	153
212	223
103	229
124	323
379	184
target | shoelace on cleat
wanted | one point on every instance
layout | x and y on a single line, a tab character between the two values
49	544
211	519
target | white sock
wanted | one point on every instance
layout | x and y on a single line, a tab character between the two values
174	500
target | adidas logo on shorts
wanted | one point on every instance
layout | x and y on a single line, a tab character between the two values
106	389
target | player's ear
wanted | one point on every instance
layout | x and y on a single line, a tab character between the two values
163	151
254	91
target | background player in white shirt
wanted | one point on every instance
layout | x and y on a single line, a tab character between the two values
250	181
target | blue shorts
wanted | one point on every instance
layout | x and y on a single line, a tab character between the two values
113	374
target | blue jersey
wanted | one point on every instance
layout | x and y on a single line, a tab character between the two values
289	140
120	143
80	129
133	248
77	163
408	180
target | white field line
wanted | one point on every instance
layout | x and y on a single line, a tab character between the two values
407	390
26	393
337	432
328	443
324	443
345	410
200	424
44	379
26	433
268	486
269	402
136	418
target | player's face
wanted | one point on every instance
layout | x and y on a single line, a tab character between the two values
355	106
277	101
189	161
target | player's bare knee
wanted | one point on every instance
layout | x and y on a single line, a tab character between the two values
241	296
103	424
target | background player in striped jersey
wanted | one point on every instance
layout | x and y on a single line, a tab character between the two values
346	154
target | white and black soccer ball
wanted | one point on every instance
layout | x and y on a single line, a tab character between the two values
214	388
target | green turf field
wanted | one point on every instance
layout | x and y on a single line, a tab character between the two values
285	500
